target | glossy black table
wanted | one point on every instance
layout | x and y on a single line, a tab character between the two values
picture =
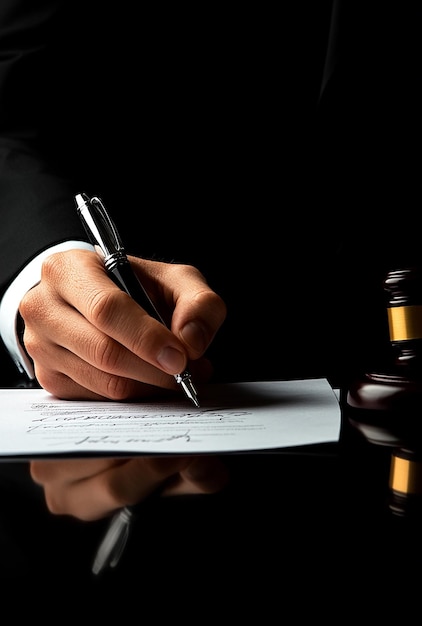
300	534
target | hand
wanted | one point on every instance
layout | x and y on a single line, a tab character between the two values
90	489
88	339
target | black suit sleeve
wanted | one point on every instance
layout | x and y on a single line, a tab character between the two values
35	197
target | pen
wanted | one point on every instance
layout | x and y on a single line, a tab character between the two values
104	236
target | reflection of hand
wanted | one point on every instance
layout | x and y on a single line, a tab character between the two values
90	489
88	339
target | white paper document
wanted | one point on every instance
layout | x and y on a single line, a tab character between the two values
233	417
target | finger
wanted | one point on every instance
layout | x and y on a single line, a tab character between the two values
198	312
98	386
83	381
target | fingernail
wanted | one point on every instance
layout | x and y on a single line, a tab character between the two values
194	336
171	360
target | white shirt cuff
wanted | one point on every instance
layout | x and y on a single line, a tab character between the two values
9	305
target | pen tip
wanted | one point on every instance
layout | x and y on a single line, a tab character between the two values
190	391
195	401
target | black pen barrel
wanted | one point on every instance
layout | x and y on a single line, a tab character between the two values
125	278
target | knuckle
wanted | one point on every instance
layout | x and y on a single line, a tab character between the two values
31	306
53	266
101	308
145	340
217	306
32	346
106	354
118	388
209	301
53	381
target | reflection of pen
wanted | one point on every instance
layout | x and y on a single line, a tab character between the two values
113	544
105	237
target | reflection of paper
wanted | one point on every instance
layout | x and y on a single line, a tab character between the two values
233	418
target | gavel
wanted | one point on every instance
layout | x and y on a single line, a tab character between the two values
386	405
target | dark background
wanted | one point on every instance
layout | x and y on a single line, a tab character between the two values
294	186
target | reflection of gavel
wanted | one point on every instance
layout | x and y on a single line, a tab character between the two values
386	406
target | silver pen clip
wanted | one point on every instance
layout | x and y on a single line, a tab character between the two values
101	230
